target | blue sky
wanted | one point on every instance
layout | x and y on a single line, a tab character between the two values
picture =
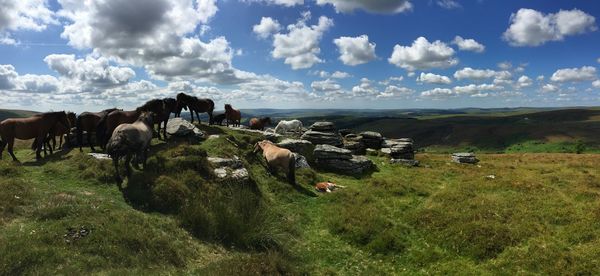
284	53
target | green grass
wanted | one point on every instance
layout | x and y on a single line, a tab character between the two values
539	215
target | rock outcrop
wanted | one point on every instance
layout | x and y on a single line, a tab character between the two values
303	147
229	169
464	157
323	127
341	160
401	151
301	161
182	128
323	138
372	139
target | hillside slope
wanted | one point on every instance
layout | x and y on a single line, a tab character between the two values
538	214
10	113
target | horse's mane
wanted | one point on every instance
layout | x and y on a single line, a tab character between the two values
155	103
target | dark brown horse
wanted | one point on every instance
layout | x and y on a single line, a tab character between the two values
57	130
195	105
256	123
90	122
117	117
232	115
218	119
170	106
29	128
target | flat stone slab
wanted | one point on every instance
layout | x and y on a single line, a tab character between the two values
229	168
319	137
100	156
297	145
322	126
355	165
371	135
331	152
464	157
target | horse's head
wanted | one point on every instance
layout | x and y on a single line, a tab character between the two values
260	145
228	107
72	118
147	118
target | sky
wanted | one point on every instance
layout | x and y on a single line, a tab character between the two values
87	55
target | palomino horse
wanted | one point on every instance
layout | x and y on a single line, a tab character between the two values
278	158
195	105
90	122
128	140
256	123
29	128
232	115
285	126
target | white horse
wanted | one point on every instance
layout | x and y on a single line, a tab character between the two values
128	140
285	126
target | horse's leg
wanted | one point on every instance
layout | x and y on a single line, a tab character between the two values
2	145
11	144
128	164
60	143
144	158
117	175
198	116
165	129
192	115
39	145
89	139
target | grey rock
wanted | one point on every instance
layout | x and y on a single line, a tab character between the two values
327	138
371	135
100	156
388	143
213	136
345	131
331	152
182	128
301	161
229	169
226	162
372	139
464	157
405	162
357	147
355	165
303	147
323	126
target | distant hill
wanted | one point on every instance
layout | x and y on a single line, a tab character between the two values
10	113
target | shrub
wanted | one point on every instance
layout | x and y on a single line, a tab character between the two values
169	195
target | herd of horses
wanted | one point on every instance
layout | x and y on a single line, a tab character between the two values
128	133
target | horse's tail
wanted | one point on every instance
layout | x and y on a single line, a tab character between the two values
116	144
79	131
292	170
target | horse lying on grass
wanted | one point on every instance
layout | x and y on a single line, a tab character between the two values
34	127
256	123
128	140
285	126
278	158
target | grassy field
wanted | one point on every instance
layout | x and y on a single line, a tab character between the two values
538	214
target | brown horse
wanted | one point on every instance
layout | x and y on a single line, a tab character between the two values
117	117
57	130
29	128
170	106
131	139
278	158
195	105
232	115
90	122
256	123
218	119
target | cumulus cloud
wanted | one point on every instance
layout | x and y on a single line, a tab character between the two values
340	75
355	50
287	3
438	93
596	83
393	91
32	15
300	46
433	78
373	6
476	90
94	72
524	81
480	74
468	44
533	28
365	89
325	86
548	88
10	80
266	27
448	4
152	35
423	55
585	73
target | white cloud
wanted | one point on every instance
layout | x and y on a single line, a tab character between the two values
550	88
423	55
476	90
340	75
505	65
468	44
18	15
393	91
598	60
287	3
300	46
438	93
373	6
448	4
365	89
480	74
266	27
355	50
326	85
524	81
94	72
596	83
533	28
585	73
433	78
10	80
540	78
